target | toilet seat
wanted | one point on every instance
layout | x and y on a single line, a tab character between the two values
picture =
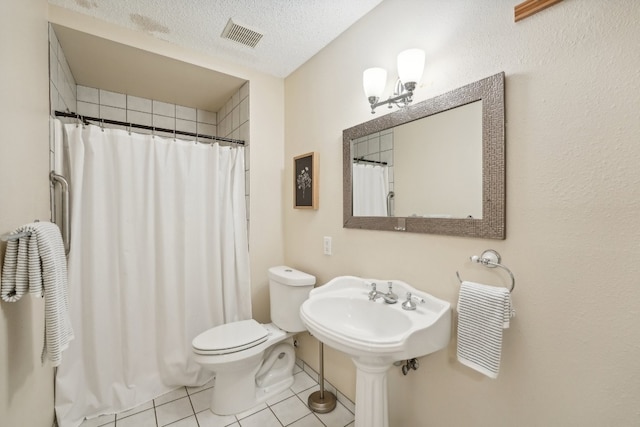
230	338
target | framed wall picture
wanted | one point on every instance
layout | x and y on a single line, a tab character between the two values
305	181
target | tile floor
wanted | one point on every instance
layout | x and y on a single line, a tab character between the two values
189	407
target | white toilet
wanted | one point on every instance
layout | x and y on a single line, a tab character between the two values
253	362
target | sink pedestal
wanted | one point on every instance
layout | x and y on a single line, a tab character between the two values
371	392
342	315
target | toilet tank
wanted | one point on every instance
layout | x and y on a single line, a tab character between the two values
288	289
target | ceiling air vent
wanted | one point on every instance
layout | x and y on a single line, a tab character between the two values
241	34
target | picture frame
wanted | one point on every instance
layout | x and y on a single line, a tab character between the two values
305	181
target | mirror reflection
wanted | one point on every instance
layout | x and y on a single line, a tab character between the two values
434	167
427	168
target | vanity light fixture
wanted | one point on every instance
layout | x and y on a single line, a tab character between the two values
410	68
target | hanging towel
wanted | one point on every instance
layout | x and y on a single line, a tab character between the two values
483	312
15	272
37	264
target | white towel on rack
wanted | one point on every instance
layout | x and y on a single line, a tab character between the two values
483	312
37	264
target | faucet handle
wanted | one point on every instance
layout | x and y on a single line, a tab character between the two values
391	293
373	293
410	303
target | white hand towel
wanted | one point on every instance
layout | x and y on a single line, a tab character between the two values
483	312
37	263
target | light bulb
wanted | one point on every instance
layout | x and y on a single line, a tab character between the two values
374	81
410	65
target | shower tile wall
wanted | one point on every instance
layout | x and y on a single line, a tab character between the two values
62	85
232	121
104	104
233	117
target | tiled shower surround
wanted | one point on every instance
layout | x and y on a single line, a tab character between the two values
62	85
131	109
231	121
127	108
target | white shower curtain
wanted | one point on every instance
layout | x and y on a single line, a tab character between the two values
370	189
158	254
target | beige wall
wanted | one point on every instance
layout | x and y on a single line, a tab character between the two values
571	357
24	196
446	158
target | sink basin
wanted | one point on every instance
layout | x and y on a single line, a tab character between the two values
341	315
358	320
375	334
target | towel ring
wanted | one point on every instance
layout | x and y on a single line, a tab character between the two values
491	259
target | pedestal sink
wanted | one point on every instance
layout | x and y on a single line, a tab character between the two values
375	334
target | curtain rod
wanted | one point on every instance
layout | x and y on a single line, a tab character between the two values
361	159
86	119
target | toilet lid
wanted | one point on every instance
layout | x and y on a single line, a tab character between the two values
230	337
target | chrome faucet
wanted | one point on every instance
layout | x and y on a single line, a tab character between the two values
391	294
410	303
389	297
373	293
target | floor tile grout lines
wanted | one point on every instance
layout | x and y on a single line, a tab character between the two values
192	407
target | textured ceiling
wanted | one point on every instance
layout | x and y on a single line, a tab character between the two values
294	30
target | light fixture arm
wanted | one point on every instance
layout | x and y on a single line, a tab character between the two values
403	95
410	68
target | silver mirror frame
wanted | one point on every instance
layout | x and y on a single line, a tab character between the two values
492	225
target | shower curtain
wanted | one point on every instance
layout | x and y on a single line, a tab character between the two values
159	254
370	189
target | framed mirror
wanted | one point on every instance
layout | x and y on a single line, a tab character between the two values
434	167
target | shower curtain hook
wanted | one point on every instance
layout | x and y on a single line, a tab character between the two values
80	120
102	125
153	132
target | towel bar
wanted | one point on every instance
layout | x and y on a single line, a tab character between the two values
65	229
14	236
491	259
55	178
